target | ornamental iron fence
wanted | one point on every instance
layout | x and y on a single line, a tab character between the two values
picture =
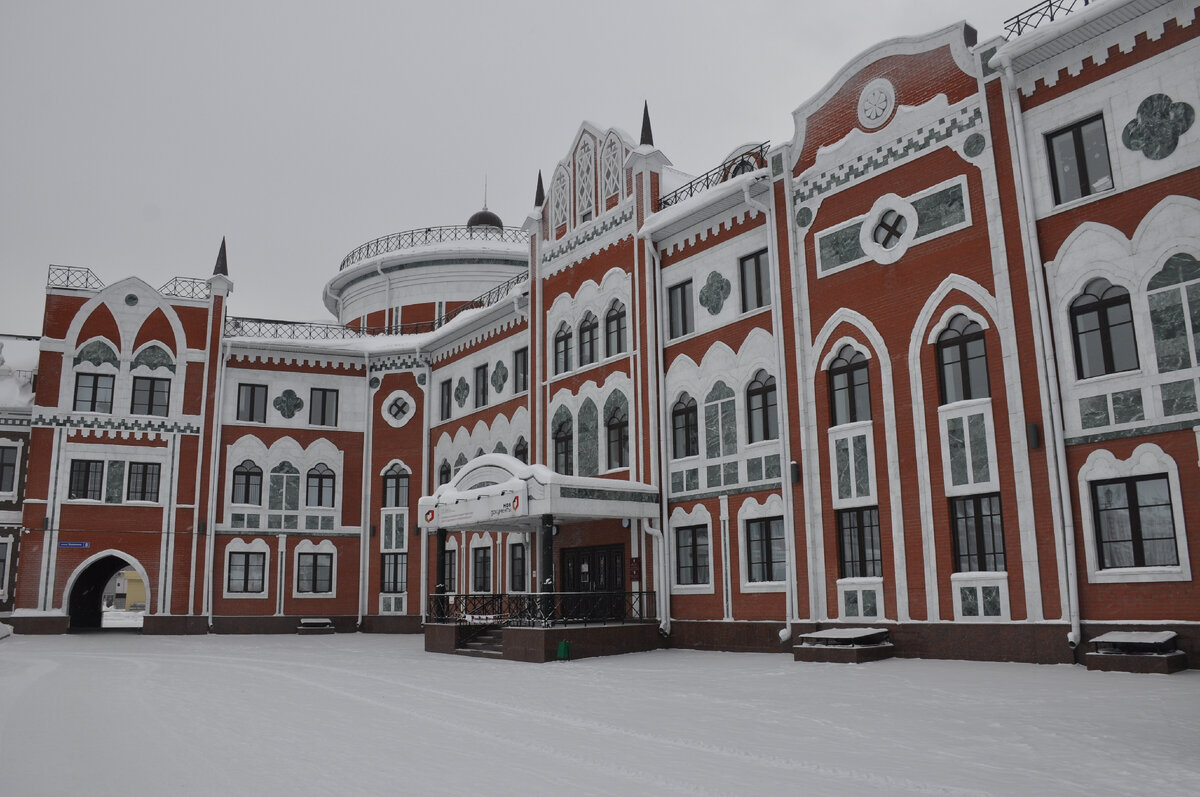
432	235
1045	11
746	161
532	609
73	277
185	288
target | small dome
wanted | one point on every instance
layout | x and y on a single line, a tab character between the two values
485	218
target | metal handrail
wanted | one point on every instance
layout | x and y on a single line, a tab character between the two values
432	235
243	327
751	159
73	277
1045	11
185	288
529	609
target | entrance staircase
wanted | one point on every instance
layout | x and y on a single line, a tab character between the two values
488	643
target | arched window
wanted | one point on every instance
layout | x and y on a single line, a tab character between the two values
564	443
588	331
614	330
247	484
562	349
444	473
720	423
320	486
685	430
616	423
962	361
1174	297
585	170
1102	326
760	401
521	450
849	389
283	499
395	486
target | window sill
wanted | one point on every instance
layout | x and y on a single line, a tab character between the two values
763	586
1139	575
692	589
310	595
237	596
1077	202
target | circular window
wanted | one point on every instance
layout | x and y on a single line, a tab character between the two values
398	408
890	229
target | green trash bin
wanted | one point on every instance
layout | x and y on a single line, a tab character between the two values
564	651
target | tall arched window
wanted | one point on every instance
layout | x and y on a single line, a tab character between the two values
284	497
588	331
564	442
849	390
962	361
616	424
521	450
320	486
1102	327
247	484
614	330
562	349
444	473
760	402
685	430
395	486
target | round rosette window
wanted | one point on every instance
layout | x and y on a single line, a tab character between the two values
876	103
398	408
889	229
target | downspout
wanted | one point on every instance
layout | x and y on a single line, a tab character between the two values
663	591
785	466
368	479
223	352
1049	370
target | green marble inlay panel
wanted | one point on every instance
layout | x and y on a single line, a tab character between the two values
1193	297
327	523
957	444
312	522
237	521
291	521
274	521
713	476
1127	406
461	391
969	597
1170	331
500	449
728	428
712	431
252	521
677	481
862	476
1093	412
153	357
714	293
841	456
851	602
604	494
869	607
729	473
114	486
1179	397
977	429
754	469
840	247
991	601
97	352
771	466
589	452
940	210
693	478
499	376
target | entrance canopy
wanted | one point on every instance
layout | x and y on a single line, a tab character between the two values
498	491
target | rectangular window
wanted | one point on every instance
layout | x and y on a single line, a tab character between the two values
394	572
850	393
8	469
445	400
858	542
314	573
87	479
1079	163
93	392
691	555
978	533
150	396
323	407
767	550
520	370
143	481
1135	522
246	571
756	281
679	300
252	403
481	386
481	569
516	567
450	572
3	568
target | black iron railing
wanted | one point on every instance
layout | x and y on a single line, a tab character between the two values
747	161
1045	11
185	288
73	277
242	327
543	609
432	235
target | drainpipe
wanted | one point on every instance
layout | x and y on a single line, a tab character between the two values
1048	373
662	577
368	479
785	469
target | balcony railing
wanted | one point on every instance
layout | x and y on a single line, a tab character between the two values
73	277
241	327
432	235
543	608
1045	11
185	288
747	161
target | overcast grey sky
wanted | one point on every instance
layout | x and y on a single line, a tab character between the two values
134	135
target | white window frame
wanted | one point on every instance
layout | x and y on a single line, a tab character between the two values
508	547
308	546
480	542
859	585
964	410
977	580
11	540
19	444
697	516
849	431
239	545
752	509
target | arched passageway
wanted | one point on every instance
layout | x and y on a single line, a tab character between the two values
86	602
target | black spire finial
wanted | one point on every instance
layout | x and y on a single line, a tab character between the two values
539	197
647	135
222	267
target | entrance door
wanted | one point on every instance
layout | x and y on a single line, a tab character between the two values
598	569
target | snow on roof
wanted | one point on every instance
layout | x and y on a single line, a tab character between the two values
1056	36
18	362
685	208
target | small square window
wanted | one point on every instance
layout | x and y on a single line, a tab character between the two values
521	370
143	481
756	281
87	479
679	300
323	407
252	403
481	386
93	392
314	573
446	397
150	396
1079	163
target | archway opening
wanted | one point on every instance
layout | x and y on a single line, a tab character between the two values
108	594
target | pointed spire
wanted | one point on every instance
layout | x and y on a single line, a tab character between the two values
485	190
647	135
539	197
222	267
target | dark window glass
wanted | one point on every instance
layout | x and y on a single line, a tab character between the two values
323	407
444	473
8	469
614	330
252	403
320	486
962	361
589	330
691	555
685	430
516	567
450	572
617	425
87	479
395	486
849	388
889	229
520	370
481	386
756	281
562	350
445	400
246	571
393	572
143	481
521	450
763	414
93	392
247	484
858	542
1079	160
1102	323
978	533
314	572
679	300
150	396
1135	522
481	569
767	550
564	445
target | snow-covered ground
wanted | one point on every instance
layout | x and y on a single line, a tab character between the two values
118	714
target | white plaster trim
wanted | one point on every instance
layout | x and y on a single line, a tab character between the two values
19	444
752	509
978	580
308	546
836	348
964	410
257	545
860	585
10	541
402	395
698	515
866	232
958	309
86	563
481	541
